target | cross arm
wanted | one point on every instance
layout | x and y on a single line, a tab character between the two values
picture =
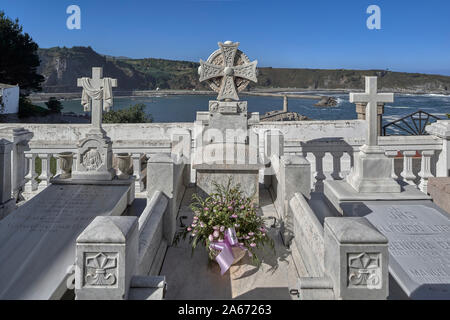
385	97
247	71
209	71
359	97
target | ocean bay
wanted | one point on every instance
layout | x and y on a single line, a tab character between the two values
182	108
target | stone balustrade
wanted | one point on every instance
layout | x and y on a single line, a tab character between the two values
415	158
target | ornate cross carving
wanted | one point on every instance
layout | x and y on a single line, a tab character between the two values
371	97
228	71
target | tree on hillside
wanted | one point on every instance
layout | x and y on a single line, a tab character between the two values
19	59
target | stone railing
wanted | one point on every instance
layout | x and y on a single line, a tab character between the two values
414	158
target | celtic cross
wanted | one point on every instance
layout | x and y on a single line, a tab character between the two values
229	66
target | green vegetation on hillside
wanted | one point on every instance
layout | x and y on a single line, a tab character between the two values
62	66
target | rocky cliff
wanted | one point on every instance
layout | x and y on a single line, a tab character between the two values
62	66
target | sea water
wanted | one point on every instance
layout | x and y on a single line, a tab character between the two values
183	108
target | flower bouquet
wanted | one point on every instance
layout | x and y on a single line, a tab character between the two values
227	224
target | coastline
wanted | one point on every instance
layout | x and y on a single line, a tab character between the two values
300	93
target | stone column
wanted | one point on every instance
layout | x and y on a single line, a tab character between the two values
361	112
106	258
7	204
356	259
285	104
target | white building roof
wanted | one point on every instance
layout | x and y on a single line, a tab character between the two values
6	86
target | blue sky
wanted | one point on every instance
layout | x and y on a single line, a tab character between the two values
415	35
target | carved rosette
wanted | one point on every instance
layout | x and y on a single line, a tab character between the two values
100	269
364	270
228	71
92	160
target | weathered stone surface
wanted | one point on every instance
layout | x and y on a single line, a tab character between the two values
419	246
308	236
247	178
166	174
439	190
37	242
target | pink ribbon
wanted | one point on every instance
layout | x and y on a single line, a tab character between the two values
226	258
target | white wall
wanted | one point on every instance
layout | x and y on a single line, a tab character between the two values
10	98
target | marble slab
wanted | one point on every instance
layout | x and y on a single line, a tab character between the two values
419	247
37	241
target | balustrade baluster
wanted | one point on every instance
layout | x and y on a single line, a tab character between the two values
425	170
31	183
407	173
319	176
336	174
45	174
137	171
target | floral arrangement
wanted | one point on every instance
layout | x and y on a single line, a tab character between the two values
225	214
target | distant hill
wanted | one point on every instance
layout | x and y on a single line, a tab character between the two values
62	66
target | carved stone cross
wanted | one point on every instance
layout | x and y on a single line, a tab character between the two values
94	92
371	97
221	64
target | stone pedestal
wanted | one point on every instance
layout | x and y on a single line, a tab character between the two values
94	160
356	259
106	258
372	172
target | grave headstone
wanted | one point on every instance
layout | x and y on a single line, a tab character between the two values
94	160
224	146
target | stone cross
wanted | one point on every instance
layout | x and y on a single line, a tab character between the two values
228	71
371	97
97	82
